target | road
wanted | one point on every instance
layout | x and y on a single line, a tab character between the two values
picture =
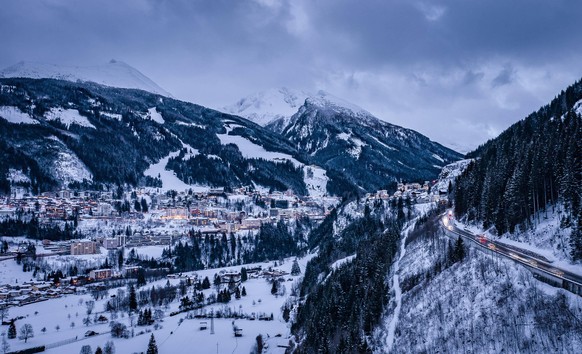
536	263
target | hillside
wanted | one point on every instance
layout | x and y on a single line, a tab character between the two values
56	133
531	171
479	304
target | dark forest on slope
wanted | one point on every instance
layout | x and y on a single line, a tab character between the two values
533	166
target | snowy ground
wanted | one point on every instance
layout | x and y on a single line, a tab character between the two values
173	337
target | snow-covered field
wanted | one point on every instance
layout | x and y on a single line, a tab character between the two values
68	117
16	116
251	150
177	334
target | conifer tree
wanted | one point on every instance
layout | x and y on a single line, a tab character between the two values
132	299
152	346
295	269
12	330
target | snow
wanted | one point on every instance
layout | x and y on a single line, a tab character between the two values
115	74
484	304
357	144
11	273
251	150
112	115
176	332
16	176
191	124
386	146
449	173
578	107
547	239
266	106
169	178
68	117
340	262
397	294
316	184
68	167
391	328
16	116
438	157
328	101
147	251
154	115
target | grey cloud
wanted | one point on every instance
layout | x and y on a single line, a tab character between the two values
415	63
505	77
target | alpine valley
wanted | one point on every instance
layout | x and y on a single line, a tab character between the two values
287	222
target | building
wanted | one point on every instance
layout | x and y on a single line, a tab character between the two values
103	209
252	223
110	243
84	247
99	274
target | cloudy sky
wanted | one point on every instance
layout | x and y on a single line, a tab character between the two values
458	71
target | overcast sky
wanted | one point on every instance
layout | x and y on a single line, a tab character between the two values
458	71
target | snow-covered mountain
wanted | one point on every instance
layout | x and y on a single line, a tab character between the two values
266	106
115	73
117	136
371	153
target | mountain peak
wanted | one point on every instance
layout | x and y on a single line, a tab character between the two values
327	102
115	73
266	106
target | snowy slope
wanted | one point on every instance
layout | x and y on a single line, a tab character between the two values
266	106
173	334
115	73
16	116
449	173
480	305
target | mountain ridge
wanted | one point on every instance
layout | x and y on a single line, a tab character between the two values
374	154
115	73
118	134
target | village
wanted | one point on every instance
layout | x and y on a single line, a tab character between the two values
149	217
109	222
148	213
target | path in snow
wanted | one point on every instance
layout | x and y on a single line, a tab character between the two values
397	289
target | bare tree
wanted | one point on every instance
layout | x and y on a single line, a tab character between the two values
90	306
26	332
4	346
3	312
87	321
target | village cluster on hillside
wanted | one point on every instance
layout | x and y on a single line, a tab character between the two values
156	218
